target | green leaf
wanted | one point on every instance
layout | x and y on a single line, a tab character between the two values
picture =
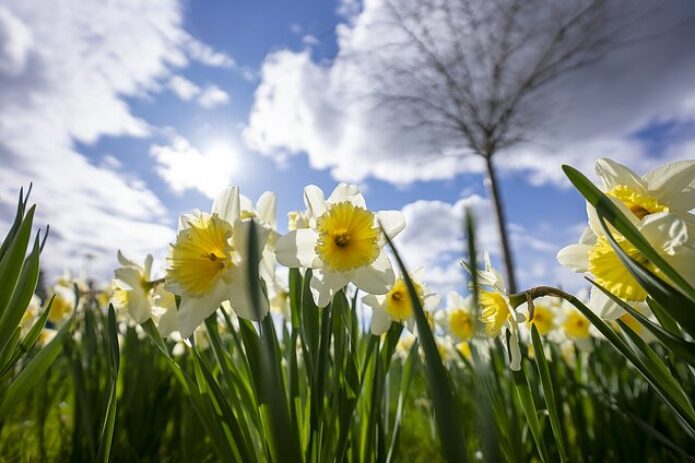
445	406
12	262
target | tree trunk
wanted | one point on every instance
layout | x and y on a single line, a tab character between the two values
501	223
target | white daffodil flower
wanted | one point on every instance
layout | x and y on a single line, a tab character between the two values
496	311
265	214
133	288
669	188
208	263
667	233
396	305
164	311
343	243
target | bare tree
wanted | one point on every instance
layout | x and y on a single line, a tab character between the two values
469	72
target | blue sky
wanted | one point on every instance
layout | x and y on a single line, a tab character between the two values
248	88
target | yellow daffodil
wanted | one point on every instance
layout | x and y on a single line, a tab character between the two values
543	318
669	236
208	262
460	321
496	312
576	326
133	288
396	305
342	244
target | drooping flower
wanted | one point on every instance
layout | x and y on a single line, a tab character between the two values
397	306
342	244
133	288
208	263
576	326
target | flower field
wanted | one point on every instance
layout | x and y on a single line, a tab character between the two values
323	345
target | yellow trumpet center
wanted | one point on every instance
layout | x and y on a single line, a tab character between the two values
494	311
398	303
543	319
348	238
576	326
202	253
461	324
60	309
609	271
639	204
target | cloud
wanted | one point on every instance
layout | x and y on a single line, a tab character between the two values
183	167
207	97
212	96
67	70
207	55
319	108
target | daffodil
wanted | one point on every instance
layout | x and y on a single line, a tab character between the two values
62	306
669	188
496	311
576	326
461	320
208	263
164	311
342	244
133	288
543	315
397	306
668	234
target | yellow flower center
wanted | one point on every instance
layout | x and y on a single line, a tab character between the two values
494	313
576	326
609	271
398	303
464	349
348	238
543	319
461	324
639	204
201	254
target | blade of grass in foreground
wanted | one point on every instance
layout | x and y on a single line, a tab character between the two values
445	409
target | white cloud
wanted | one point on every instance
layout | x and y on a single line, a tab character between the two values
207	55
212	96
183	167
183	88
66	70
310	40
319	108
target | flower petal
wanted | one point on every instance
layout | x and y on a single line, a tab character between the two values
372	301
324	285
376	278
393	222
603	306
575	257
194	310
380	321
127	278
266	208
240	297
614	174
124	261
139	305
297	249
314	200
227	204
345	192
673	185
240	236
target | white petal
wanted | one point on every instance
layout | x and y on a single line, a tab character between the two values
380	322
372	301
674	185
575	257
515	362
350	193
297	249
595	224
185	219
227	204
614	174
127	278
393	222
168	322
587	237
147	269
240	297
240	236
324	285
245	203
139	305
376	278
603	306
314	200
124	261
431	301
194	310
267	209
666	232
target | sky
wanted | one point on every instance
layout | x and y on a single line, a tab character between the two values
124	114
